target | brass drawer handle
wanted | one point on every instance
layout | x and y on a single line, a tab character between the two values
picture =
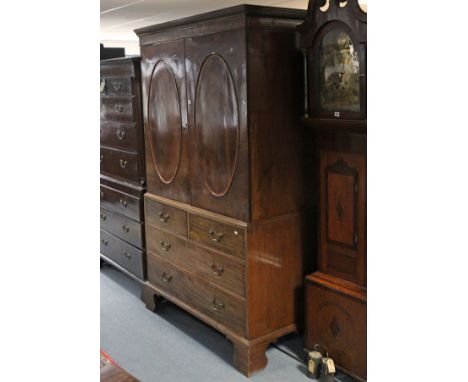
103	217
117	86
165	277
120	134
123	163
118	108
123	203
217	271
102	194
216	306
104	241
164	217
103	85
127	255
125	228
165	247
216	236
102	157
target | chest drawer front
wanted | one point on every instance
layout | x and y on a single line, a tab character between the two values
223	237
130	206
119	135
122	227
222	271
119	86
167	217
120	163
124	254
218	305
117	109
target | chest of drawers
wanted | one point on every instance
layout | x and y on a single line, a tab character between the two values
123	178
241	278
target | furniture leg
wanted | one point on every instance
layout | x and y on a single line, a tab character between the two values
250	358
150	298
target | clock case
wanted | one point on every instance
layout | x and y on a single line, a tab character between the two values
336	293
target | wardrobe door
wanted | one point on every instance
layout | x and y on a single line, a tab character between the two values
343	214
165	116
216	83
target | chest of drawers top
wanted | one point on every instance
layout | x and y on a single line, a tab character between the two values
122	147
128	67
119	86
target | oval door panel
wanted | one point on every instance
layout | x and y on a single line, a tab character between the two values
165	124
216	124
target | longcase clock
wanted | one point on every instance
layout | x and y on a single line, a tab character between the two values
334	43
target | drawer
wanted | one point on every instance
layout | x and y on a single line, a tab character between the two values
166	217
117	108
127	205
119	86
119	135
220	306
222	271
122	227
121	163
224	237
126	255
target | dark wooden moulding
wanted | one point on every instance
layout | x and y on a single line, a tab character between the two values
226	208
336	294
123	178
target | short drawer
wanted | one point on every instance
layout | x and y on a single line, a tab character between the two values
166	217
119	135
119	86
118	201
224	237
122	227
220	306
126	255
222	271
117	108
122	164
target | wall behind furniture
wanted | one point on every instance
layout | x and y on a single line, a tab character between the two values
120	17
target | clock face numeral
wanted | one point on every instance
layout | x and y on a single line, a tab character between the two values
339	73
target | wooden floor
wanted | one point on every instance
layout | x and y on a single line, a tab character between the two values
111	373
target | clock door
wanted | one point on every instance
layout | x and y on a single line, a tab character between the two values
216	83
342	225
165	116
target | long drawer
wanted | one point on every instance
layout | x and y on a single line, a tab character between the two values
223	271
126	255
169	218
122	227
118	201
223	237
118	108
222	307
119	86
119	135
121	163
